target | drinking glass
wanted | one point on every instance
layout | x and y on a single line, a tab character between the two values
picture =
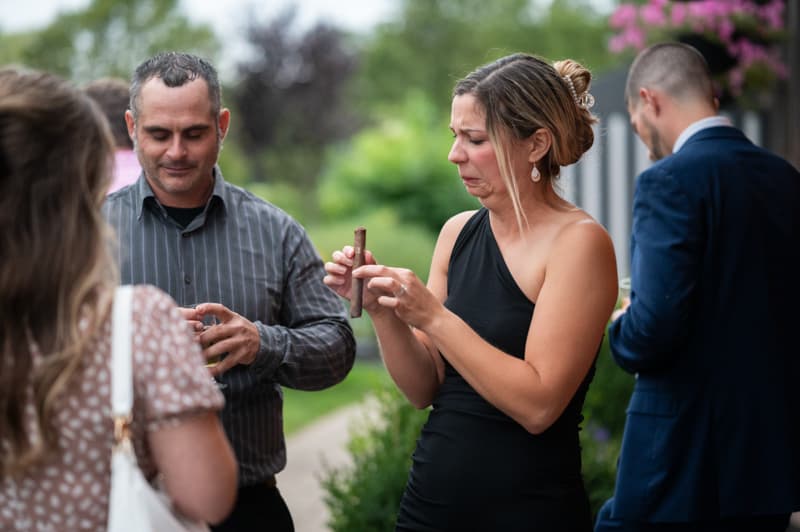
210	320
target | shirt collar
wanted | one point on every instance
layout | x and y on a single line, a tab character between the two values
695	127
145	192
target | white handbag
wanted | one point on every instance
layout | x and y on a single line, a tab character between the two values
134	505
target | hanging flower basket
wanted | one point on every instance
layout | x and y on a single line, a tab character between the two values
740	39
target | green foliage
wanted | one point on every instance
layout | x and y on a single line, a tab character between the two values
609	393
12	46
573	29
287	197
402	162
111	37
366	495
302	407
604	421
392	242
435	42
599	452
292	94
233	163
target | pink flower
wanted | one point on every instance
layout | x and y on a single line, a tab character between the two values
641	23
736	80
679	13
700	10
750	53
780	69
632	37
617	44
772	14
725	29
653	15
623	16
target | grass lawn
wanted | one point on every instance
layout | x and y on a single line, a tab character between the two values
301	408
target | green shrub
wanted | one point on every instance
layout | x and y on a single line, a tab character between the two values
599	452
289	198
401	161
233	164
604	420
392	241
366	495
609	393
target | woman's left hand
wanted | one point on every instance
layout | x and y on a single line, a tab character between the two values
401	290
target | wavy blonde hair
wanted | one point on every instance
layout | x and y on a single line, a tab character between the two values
521	93
55	269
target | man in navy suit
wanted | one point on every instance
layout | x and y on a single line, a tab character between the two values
712	437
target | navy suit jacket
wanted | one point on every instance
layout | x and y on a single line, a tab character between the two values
713	424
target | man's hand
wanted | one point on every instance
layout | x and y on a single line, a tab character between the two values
192	317
234	337
626	302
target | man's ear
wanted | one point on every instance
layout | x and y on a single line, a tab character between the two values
539	143
224	122
652	98
130	123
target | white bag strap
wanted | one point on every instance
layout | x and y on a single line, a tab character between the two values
121	356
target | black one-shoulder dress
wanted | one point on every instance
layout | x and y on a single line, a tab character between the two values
475	468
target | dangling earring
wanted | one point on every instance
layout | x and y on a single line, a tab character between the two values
535	175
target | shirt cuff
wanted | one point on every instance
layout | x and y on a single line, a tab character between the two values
270	351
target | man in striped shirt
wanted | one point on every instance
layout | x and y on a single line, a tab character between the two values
182	228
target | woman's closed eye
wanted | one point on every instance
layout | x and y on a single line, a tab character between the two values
475	141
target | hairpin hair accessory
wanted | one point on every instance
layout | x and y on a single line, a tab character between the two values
585	100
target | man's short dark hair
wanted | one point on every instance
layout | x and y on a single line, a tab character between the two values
176	69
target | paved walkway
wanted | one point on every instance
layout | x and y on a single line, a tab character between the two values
310	453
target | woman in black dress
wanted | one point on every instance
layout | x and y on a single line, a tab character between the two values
502	340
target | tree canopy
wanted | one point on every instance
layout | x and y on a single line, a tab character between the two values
111	37
435	42
291	98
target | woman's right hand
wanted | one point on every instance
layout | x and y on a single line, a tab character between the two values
339	275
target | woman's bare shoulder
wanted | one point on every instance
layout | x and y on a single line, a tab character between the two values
578	223
452	227
457	222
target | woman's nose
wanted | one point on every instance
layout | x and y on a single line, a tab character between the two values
457	154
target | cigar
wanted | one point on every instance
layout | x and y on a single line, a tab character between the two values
357	287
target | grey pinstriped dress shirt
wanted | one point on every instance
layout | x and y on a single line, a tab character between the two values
256	260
